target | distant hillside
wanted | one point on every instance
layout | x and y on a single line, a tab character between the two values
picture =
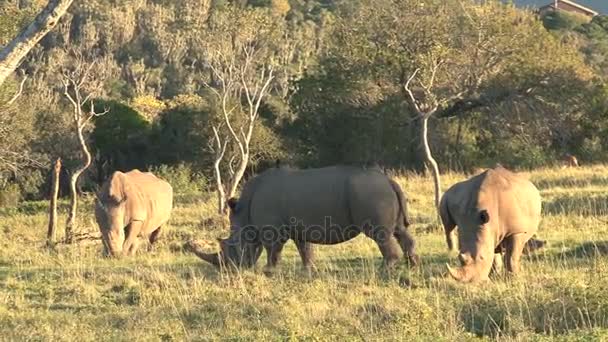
596	5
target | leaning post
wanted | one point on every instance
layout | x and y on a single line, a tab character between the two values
50	236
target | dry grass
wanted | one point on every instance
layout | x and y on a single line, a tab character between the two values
74	294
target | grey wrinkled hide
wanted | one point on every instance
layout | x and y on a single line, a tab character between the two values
315	206
132	205
494	211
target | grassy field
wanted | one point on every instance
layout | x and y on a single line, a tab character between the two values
72	293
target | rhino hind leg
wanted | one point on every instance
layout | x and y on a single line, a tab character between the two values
307	254
406	241
153	238
387	243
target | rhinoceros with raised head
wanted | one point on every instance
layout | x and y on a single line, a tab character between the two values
314	206
130	205
496	210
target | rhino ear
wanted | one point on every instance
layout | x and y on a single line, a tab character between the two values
232	202
118	187
484	216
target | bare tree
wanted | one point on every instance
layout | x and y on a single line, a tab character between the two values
241	56
423	112
238	121
79	87
14	52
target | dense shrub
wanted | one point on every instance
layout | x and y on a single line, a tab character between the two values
182	178
10	195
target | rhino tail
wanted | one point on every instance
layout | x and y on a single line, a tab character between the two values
402	202
447	220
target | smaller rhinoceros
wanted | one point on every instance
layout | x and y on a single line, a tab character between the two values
130	205
494	211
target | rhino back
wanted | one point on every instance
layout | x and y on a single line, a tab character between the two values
341	196
151	199
519	205
512	201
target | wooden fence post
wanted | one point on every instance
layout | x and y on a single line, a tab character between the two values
50	237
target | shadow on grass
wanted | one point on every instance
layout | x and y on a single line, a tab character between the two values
586	250
578	204
571	182
570	257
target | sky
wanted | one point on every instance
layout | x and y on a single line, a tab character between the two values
596	5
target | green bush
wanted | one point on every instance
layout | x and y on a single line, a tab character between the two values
10	195
31	183
182	178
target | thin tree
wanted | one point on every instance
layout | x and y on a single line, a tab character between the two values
241	70
232	83
423	112
79	87
14	52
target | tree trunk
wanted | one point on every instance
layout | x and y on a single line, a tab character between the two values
14	52
430	160
50	236
221	194
238	175
458	145
71	224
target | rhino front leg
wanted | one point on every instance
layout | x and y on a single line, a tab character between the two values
273	256
131	241
515	247
497	264
306	253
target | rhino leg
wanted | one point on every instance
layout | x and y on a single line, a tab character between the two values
497	264
406	241
389	247
306	253
273	256
153	238
514	248
131	241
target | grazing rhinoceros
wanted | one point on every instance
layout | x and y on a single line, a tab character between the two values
130	205
494	211
315	206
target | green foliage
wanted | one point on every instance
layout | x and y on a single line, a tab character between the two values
561	20
120	137
31	184
337	92
10	195
182	178
182	132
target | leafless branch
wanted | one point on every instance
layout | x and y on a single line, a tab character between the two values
407	89
16	96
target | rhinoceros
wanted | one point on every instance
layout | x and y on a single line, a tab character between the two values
130	205
314	206
496	210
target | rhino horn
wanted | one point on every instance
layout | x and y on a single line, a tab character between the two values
212	258
455	273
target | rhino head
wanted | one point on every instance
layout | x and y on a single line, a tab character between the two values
110	217
476	238
111	214
242	248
